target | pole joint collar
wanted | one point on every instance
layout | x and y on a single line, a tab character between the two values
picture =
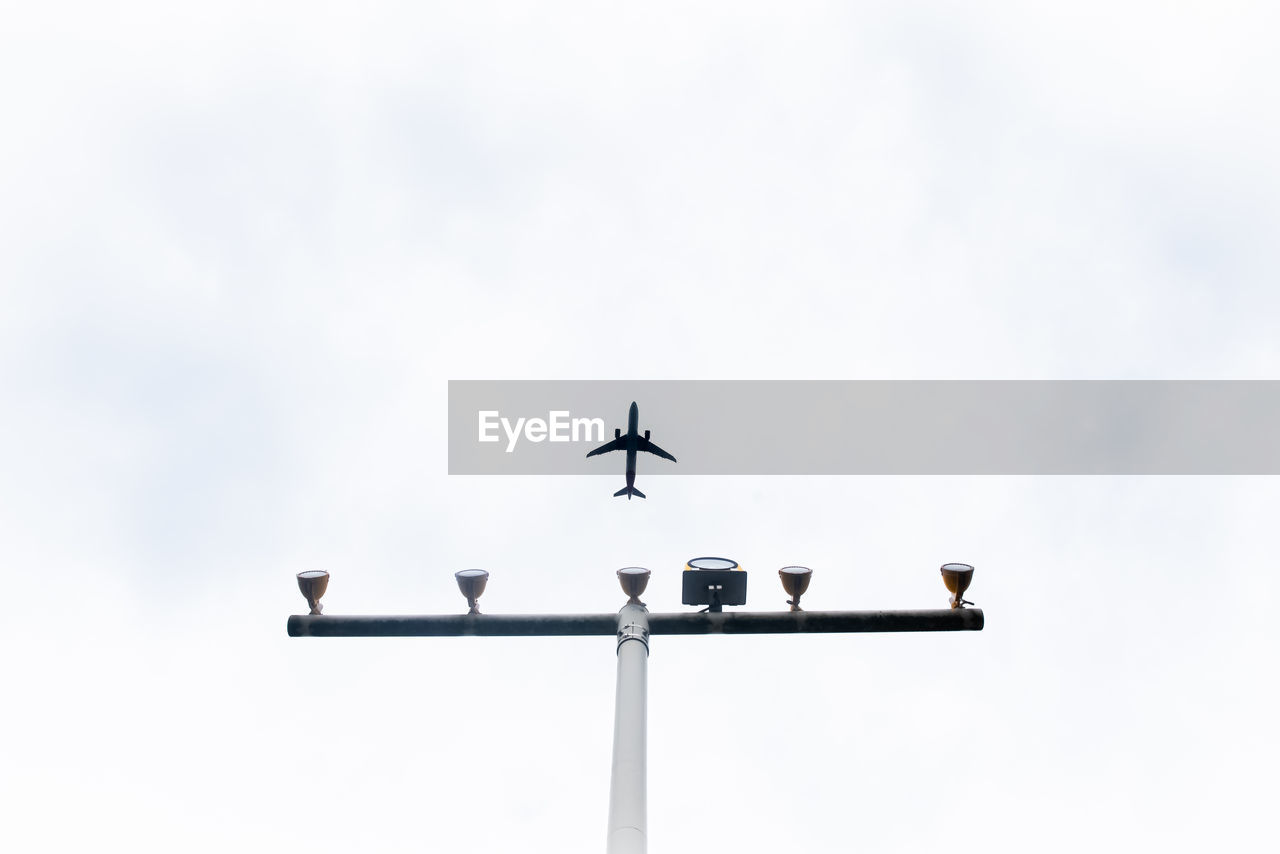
633	631
633	624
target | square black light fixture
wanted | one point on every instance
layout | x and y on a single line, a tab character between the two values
714	582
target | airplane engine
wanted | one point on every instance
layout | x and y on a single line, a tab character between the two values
617	432
646	435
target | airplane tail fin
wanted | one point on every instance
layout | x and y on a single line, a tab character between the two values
629	491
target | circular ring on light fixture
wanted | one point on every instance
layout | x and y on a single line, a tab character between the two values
712	563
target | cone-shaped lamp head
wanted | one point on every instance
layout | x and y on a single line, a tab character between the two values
795	581
313	583
471	582
957	577
634	579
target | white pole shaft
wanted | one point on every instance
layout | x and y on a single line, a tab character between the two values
628	828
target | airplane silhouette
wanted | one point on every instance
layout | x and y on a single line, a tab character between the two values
631	443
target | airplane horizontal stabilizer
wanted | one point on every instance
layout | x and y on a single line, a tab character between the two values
629	491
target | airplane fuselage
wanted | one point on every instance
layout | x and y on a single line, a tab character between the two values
633	441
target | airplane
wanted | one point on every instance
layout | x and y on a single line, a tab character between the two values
631	443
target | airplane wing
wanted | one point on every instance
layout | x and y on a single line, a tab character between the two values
646	445
615	445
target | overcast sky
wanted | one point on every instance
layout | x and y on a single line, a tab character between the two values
246	245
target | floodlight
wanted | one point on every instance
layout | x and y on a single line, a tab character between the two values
714	582
795	581
312	583
957	577
471	582
634	579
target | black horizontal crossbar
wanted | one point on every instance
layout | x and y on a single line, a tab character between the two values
728	622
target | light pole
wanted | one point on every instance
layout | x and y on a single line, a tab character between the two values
714	582
628	781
